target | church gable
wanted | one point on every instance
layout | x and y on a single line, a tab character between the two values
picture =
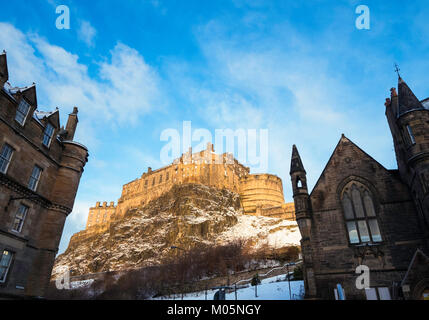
350	163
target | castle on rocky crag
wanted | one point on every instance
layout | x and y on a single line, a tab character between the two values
260	194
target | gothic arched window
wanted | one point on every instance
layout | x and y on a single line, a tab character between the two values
359	214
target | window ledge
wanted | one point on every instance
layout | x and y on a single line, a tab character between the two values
367	244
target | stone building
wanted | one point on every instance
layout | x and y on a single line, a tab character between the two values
260	194
40	170
360	213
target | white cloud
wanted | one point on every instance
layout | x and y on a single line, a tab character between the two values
87	33
79	214
126	89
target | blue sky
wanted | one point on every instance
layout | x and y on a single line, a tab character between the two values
300	69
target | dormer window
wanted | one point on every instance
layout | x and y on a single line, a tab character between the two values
22	112
47	135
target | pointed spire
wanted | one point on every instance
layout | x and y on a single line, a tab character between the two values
406	98
296	163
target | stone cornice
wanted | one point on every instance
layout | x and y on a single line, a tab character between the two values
25	192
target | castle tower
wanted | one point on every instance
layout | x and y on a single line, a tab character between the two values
409	124
303	217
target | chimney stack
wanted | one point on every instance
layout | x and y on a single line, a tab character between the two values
4	74
72	124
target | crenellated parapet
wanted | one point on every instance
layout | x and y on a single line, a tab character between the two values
261	194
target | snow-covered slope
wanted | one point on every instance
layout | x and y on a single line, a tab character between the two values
185	216
276	233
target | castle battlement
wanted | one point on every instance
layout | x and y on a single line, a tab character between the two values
261	194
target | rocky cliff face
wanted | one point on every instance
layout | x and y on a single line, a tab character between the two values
185	216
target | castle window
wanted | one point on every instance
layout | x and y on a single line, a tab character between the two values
5	156
5	262
167	176
360	215
22	112
145	183
153	182
160	178
47	134
19	218
411	135
35	177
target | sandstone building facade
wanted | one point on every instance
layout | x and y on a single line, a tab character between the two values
260	194
40	170
360	213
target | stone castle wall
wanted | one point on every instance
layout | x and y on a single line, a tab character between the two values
101	214
205	167
262	191
261	194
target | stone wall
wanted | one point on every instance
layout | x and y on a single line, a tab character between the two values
260	194
101	214
204	167
261	190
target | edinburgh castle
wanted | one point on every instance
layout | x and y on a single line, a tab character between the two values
260	194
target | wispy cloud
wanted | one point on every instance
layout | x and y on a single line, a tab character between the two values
126	87
87	33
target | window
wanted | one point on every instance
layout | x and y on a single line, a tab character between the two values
160	178
19	218
360	216
380	293
5	261
22	112
411	135
5	155
167	176
153	181
47	134
35	177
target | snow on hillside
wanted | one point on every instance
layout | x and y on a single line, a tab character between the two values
274	288
275	232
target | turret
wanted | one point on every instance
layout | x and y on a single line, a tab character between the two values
303	218
300	193
409	123
72	124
